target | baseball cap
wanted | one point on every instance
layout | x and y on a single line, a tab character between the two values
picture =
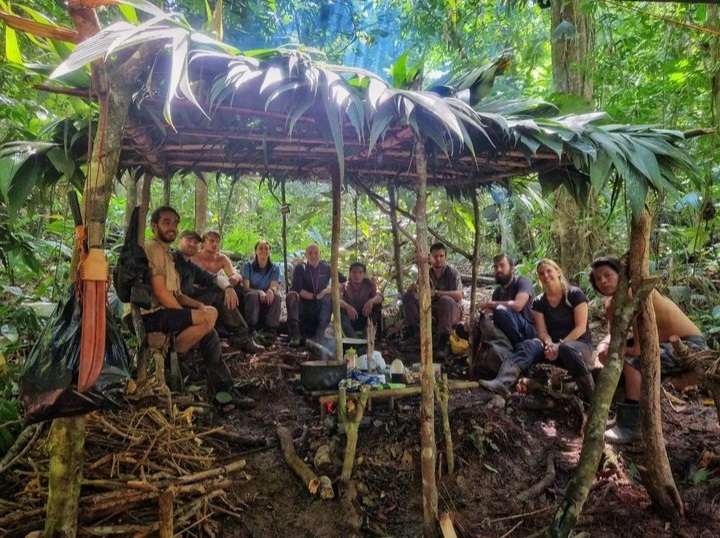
192	234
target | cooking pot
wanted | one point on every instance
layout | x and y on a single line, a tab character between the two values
322	375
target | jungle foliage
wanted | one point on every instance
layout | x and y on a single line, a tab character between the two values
651	66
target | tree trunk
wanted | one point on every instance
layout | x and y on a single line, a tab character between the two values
68	451
334	261
571	53
657	477
577	492
201	203
571	76
396	238
66	447
166	191
131	197
144	205
428	452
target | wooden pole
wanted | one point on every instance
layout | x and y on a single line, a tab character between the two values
395	238
334	262
285	210
201	203
657	475
427	399
473	284
442	394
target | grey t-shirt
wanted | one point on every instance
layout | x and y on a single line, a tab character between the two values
518	284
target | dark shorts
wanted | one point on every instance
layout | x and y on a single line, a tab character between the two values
670	363
168	320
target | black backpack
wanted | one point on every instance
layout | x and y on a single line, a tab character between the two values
131	276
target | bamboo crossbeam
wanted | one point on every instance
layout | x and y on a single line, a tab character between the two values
392	393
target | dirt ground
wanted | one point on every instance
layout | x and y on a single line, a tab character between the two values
500	450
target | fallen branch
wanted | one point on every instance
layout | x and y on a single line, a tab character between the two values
298	466
22	444
546	481
695	362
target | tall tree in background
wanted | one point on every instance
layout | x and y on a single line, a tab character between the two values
572	40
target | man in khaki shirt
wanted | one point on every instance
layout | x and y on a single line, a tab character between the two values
173	312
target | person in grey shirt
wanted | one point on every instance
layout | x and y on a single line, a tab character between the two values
447	294
511	301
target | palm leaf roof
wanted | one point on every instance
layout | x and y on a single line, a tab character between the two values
205	106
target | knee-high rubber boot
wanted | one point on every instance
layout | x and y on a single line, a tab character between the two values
294	330
586	386
506	378
627	429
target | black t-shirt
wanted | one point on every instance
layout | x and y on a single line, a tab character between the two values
192	276
518	284
560	320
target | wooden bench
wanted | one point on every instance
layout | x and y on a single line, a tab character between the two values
326	397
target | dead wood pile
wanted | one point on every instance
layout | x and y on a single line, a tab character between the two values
135	461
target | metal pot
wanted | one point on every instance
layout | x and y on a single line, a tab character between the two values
322	375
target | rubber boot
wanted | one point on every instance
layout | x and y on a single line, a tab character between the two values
506	378
442	349
627	429
586	387
294	330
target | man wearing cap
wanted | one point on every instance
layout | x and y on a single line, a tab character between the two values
172	311
212	290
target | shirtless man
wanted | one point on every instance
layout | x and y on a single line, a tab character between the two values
211	259
670	321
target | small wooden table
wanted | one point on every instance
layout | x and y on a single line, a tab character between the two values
326	396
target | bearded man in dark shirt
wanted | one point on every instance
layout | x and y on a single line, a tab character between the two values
212	290
510	302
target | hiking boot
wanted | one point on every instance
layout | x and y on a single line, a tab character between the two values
245	342
506	378
627	429
240	400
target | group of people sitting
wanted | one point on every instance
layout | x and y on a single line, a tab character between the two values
553	327
193	290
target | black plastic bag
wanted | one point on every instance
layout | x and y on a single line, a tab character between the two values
48	384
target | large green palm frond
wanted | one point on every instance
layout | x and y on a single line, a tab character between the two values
293	82
633	159
178	40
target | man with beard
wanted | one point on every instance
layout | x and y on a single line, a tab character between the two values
447	295
172	312
510	303
214	290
